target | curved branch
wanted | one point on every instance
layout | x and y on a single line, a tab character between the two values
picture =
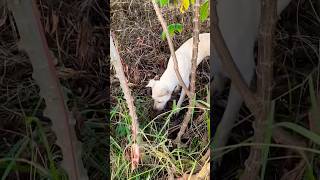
173	54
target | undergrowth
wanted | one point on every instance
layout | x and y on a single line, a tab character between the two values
159	158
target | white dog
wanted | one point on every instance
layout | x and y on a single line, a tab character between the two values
239	24
163	88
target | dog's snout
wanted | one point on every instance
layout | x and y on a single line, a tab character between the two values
156	107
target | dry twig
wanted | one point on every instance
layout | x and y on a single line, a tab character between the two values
188	116
115	60
173	54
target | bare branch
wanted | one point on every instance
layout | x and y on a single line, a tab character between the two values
264	78
115	60
175	62
188	116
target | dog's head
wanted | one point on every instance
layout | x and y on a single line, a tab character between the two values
160	94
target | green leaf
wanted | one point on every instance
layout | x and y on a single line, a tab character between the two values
122	130
308	174
163	2
175	108
184	5
192	2
172	29
204	11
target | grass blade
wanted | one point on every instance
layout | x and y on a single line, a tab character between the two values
301	130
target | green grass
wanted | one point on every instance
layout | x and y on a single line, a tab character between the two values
31	150
40	162
158	156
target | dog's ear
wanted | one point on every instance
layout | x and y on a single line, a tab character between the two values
151	83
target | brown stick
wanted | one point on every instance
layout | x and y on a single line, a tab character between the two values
193	71
115	60
230	67
264	78
173	54
33	40
259	108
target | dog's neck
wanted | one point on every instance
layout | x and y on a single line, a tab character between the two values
170	80
184	56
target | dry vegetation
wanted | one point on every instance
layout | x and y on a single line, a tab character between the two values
296	65
138	33
144	55
76	32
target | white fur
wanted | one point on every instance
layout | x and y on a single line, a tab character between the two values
238	21
163	88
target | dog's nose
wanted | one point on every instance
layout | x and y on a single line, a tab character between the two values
157	108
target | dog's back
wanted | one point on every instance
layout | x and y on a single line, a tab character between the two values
184	54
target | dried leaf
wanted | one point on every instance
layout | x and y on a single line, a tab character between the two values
83	39
3	15
47	26
55	22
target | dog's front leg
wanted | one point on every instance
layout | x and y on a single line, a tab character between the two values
177	89
230	115
182	95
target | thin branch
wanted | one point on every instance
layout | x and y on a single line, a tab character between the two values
173	54
188	116
264	78
33	41
115	60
